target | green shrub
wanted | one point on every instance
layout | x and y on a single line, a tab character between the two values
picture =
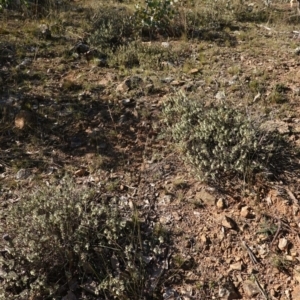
34	7
156	15
218	140
278	95
138	54
125	56
7	3
111	27
14	4
69	233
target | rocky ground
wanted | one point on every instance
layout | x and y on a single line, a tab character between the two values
64	111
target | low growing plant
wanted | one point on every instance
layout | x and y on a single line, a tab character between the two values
12	3
137	54
218	139
70	233
156	14
111	27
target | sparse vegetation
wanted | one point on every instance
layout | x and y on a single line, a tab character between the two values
68	233
118	95
280	262
218	139
156	15
267	228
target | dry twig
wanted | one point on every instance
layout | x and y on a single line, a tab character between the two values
260	288
251	254
291	195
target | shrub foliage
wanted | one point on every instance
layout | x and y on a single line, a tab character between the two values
62	234
219	139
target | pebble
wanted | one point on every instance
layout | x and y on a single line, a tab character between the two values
245	212
250	288
282	244
221	203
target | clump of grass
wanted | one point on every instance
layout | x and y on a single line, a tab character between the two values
111	26
218	139
65	232
158	16
267	228
280	262
278	95
136	54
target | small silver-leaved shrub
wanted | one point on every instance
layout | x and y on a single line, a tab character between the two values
71	233
218	139
156	15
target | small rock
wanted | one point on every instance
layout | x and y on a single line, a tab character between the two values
6	237
45	32
221	203
81	172
25	63
129	84
165	44
297	51
203	239
228	222
23	174
263	250
297	274
236	266
122	88
165	220
177	83
250	288
194	71
205	197
167	80
296	293
245	212
81	48
282	244
23	119
220	96
227	291
128	102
